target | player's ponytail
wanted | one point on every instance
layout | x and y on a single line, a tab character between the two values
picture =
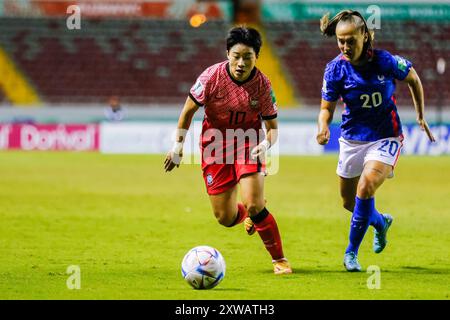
328	27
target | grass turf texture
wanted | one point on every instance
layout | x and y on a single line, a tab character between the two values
127	224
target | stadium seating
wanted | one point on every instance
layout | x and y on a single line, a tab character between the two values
156	61
305	52
141	61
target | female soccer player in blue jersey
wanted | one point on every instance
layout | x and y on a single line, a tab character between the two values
371	132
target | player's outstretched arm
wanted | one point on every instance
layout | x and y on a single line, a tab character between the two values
416	89
325	117
173	158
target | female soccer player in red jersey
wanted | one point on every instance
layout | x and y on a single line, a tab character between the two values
371	131
237	98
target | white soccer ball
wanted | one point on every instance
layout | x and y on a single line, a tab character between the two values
203	267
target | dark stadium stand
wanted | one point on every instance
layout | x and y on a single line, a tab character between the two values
305	52
156	61
141	61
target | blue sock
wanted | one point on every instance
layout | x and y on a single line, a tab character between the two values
376	218
360	222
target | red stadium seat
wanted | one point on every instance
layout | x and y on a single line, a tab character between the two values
149	61
305	51
142	61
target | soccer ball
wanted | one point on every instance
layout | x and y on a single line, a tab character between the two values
203	267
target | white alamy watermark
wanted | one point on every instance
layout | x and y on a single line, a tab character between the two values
374	280
374	20
230	146
73	22
74	280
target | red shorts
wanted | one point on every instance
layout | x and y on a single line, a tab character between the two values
221	177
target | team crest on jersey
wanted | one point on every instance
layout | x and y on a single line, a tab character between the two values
253	103
209	179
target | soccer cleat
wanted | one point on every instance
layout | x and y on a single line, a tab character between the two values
249	226
379	239
351	262
281	266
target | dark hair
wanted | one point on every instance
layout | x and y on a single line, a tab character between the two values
328	27
248	36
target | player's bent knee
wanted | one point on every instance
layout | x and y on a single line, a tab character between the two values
253	208
366	189
224	219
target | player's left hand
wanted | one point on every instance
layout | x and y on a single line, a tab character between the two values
172	160
259	151
424	126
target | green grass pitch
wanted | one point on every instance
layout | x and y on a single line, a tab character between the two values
127	225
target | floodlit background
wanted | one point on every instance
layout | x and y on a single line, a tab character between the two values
62	62
83	186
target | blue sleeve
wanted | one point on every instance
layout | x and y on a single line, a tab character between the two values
399	66
330	87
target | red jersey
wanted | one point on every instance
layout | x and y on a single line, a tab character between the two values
230	104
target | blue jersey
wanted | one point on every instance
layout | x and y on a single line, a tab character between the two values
368	93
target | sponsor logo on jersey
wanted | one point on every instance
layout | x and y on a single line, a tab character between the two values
219	96
381	78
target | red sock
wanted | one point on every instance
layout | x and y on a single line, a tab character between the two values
241	215
268	231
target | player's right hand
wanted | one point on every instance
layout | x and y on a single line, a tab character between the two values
323	136
172	160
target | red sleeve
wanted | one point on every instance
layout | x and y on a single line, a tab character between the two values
268	102
199	91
